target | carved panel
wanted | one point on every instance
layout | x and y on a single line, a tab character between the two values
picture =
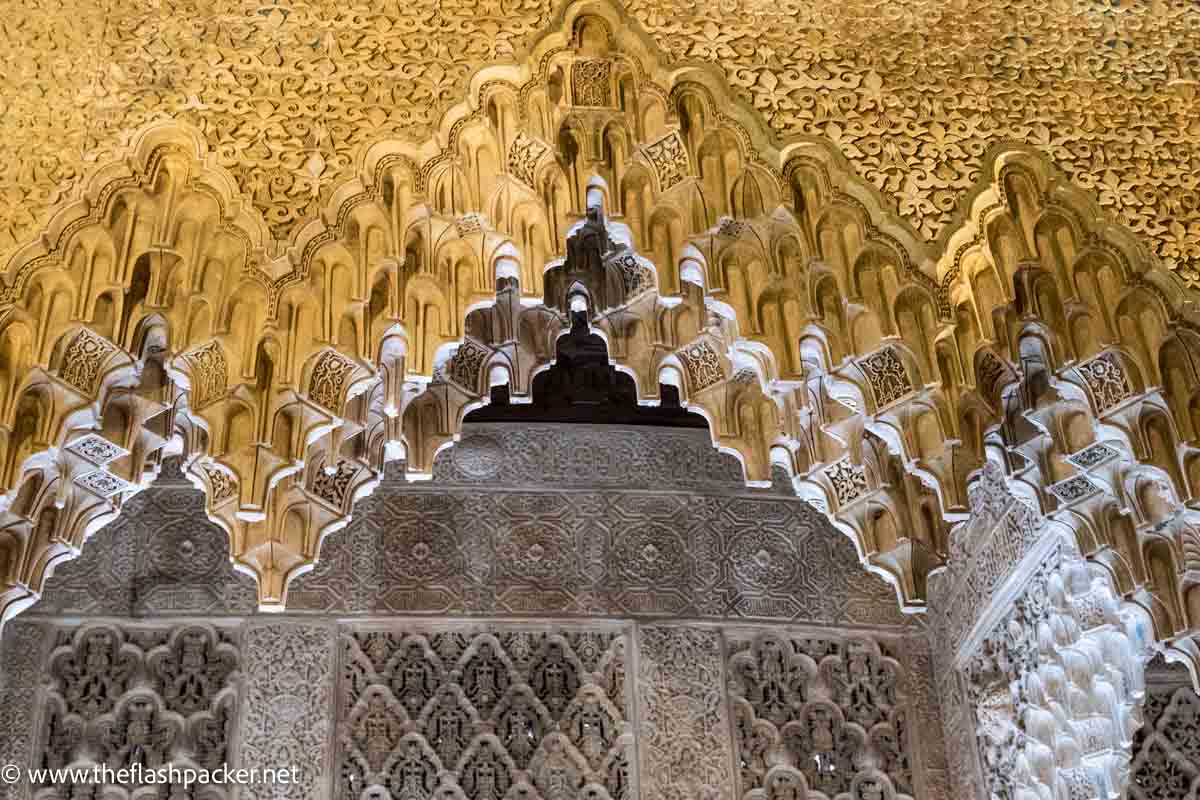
887	375
328	380
703	366
221	485
812	714
848	480
21	671
637	278
288	705
684	744
484	712
1093	456
466	363
1106	380
332	488
1166	749
669	158
209	375
1074	489
515	550
586	456
983	554
96	449
83	359
591	82
103	484
121	696
523	156
161	555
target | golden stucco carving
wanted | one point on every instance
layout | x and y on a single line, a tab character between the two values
914	94
289	347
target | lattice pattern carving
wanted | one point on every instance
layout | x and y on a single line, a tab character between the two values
96	449
123	696
1166	749
1107	381
484	713
887	375
810	713
209	374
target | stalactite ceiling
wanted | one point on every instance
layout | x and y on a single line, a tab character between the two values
293	242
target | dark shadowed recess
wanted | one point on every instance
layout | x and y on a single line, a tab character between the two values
582	387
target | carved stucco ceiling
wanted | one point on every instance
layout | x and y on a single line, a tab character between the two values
914	93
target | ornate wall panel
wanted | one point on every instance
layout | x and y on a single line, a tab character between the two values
122	695
684	734
819	717
1166	757
287	715
547	520
484	712
25	645
161	556
481	709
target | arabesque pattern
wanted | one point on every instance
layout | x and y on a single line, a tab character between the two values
817	331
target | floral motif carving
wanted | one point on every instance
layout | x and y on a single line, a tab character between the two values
288	702
21	673
670	160
96	449
887	375
591	82
328	381
849	481
468	224
1074	489
83	359
1093	456
104	484
465	365
1106	380
703	366
683	740
332	488
636	277
222	485
523	156
209	374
